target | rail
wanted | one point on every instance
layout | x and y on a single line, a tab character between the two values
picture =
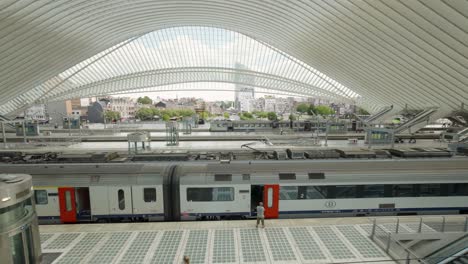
383	231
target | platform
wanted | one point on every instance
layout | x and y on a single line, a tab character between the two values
281	241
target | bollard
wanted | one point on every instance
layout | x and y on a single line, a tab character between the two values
373	228
466	224
420	224
443	224
407	257
388	242
397	225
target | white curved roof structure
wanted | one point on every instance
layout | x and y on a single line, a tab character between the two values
377	53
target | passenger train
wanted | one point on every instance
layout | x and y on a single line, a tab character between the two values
103	192
336	126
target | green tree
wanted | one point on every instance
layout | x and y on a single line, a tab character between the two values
302	108
226	115
292	117
312	110
272	116
166	117
112	115
246	116
144	113
261	114
205	115
144	100
324	110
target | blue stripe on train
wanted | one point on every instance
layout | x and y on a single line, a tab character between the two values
102	216
377	210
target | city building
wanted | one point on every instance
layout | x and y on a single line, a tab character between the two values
124	105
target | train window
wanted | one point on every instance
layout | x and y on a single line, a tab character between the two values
149	195
287	176
210	194
270	197
345	191
373	191
316	192
403	190
457	189
68	201
315	176
288	193
223	177
303	192
121	199
41	197
429	190
246	177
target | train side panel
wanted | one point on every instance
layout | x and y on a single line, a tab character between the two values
371	206
148	201
99	201
120	200
47	204
226	200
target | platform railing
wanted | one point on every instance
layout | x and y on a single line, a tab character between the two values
393	247
384	229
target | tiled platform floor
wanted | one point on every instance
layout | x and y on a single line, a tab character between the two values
282	241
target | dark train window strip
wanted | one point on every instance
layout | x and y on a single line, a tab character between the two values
372	191
223	177
287	176
316	176
210	194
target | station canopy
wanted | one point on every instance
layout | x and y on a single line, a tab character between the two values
372	53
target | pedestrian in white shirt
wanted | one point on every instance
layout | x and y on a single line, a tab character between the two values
261	214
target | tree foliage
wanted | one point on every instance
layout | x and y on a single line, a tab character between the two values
246	116
144	114
292	117
260	114
112	115
320	110
148	113
302	108
272	116
226	115
144	100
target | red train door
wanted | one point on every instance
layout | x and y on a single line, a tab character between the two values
67	204
271	200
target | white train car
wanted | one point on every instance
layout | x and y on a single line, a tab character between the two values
321	188
69	193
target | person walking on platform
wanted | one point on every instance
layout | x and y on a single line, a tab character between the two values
186	260
261	214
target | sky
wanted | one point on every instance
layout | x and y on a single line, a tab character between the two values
215	51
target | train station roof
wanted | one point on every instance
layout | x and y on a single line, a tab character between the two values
374	53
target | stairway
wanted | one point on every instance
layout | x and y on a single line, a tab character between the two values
379	114
416	122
